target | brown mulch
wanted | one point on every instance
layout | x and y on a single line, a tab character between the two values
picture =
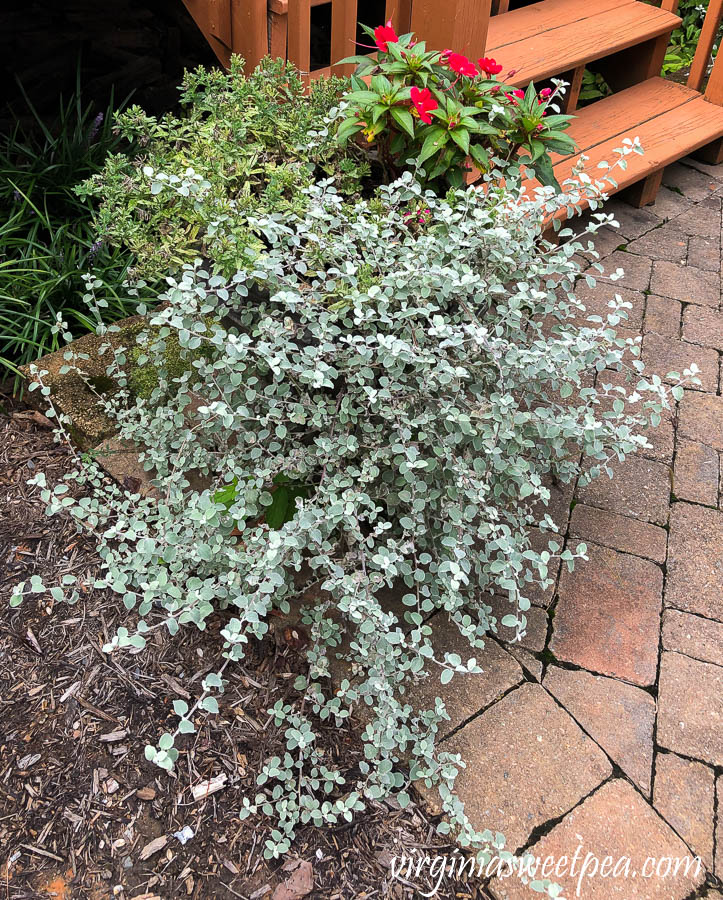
82	813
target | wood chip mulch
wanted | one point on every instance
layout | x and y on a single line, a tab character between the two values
82	813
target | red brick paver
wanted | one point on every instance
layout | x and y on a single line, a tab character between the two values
690	708
618	532
608	615
696	473
616	715
527	762
616	822
695	560
639	488
539	758
693	636
684	795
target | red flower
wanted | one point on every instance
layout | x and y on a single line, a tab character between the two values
545	93
424	103
515	95
383	34
460	64
489	66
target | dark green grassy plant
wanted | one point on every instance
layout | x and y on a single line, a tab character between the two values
47	237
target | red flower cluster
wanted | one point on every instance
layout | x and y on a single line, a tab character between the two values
459	63
514	96
489	66
424	103
383	34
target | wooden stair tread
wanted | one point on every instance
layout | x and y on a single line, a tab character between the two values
670	120
529	21
569	33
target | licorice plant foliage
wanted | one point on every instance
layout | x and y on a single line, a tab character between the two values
418	368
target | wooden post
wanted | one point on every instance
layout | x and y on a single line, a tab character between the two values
213	17
249	31
644	192
343	33
299	39
634	64
670	5
574	78
459	25
399	13
705	46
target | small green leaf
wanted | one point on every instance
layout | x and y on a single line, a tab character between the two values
435	140
404	118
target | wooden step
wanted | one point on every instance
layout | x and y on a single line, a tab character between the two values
557	36
670	120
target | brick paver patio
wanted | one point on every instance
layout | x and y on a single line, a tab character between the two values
615	740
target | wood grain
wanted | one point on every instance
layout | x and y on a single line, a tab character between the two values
299	35
343	34
213	18
399	12
515	26
249	31
669	124
457	24
576	43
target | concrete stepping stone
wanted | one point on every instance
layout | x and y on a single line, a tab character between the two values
684	794
719	830
639	488
614	822
527	762
607	618
690	708
618	716
693	636
694	581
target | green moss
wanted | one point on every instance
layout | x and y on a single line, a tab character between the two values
143	379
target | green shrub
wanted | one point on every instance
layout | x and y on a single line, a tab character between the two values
245	148
423	382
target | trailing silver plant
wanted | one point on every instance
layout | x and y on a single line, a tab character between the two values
414	372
